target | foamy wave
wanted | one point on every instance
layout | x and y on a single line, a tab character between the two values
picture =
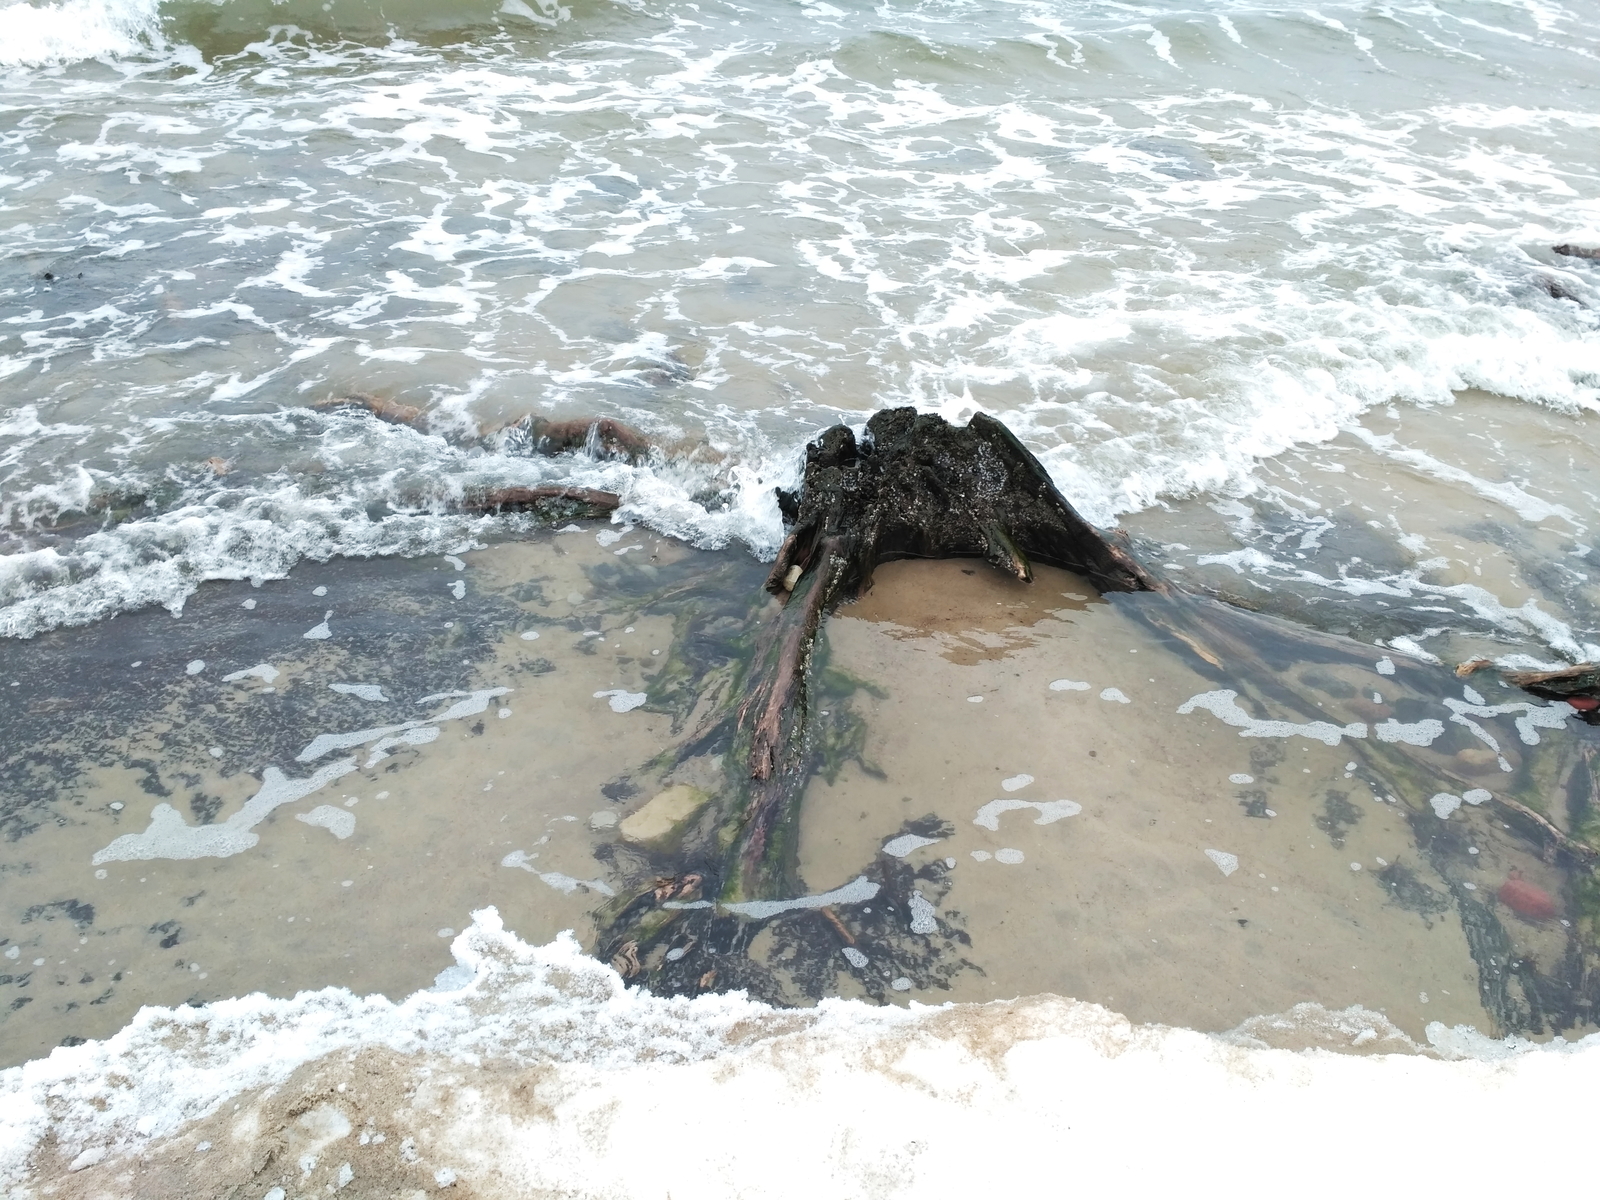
260	532
533	1070
42	34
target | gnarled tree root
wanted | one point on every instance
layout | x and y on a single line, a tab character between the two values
915	486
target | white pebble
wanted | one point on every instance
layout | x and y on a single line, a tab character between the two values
319	591
195	667
974	699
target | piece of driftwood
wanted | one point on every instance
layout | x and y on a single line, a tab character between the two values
1573	251
1579	686
599	437
589	501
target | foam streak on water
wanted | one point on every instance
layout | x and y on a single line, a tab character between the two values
1163	246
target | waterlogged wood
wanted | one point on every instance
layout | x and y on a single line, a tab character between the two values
589	501
913	486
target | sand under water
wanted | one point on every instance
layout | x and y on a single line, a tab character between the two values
315	783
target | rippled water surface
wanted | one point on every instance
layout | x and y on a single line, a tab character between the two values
1165	244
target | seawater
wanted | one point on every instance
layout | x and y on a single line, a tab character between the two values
1167	245
1273	287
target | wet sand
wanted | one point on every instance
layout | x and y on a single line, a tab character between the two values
1315	889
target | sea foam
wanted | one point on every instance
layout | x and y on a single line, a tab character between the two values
534	1069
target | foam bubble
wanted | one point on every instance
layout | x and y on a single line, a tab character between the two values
907	842
1224	705
361	691
1050	811
340	822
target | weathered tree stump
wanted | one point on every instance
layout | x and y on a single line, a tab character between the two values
913	487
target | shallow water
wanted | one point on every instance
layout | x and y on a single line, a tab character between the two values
1080	823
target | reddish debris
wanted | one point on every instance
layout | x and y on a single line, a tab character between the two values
1527	900
1583	703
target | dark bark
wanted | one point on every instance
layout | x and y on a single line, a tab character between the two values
913	487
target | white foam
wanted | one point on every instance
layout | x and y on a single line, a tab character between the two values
1115	696
169	836
340	822
1444	803
1224	705
69	30
1068	685
907	842
565	884
1226	863
976	1089
1009	856
322	632
265	672
622	700
1417	733
470	705
361	691
857	891
923	914
1016	783
1050	811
